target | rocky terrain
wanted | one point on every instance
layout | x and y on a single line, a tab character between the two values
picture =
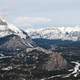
32	64
38	64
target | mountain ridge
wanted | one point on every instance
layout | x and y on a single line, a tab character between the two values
12	38
63	33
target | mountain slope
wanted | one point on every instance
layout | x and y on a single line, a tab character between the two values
7	29
12	38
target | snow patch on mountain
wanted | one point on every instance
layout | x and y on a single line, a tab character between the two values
6	29
75	72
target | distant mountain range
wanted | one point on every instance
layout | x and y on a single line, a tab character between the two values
63	33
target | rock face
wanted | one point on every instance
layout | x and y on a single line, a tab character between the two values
55	62
47	60
13	42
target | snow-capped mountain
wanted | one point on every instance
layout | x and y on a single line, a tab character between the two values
12	38
63	33
7	29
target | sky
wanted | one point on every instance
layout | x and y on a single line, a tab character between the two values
25	13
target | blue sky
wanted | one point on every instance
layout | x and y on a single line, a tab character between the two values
28	12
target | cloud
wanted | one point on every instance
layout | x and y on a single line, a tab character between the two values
32	20
27	22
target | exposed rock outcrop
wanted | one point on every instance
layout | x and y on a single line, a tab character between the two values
46	59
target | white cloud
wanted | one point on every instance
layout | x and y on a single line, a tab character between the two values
32	20
27	22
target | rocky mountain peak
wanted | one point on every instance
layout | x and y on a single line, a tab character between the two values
13	38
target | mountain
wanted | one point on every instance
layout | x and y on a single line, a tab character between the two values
16	41
31	62
46	59
12	38
63	33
